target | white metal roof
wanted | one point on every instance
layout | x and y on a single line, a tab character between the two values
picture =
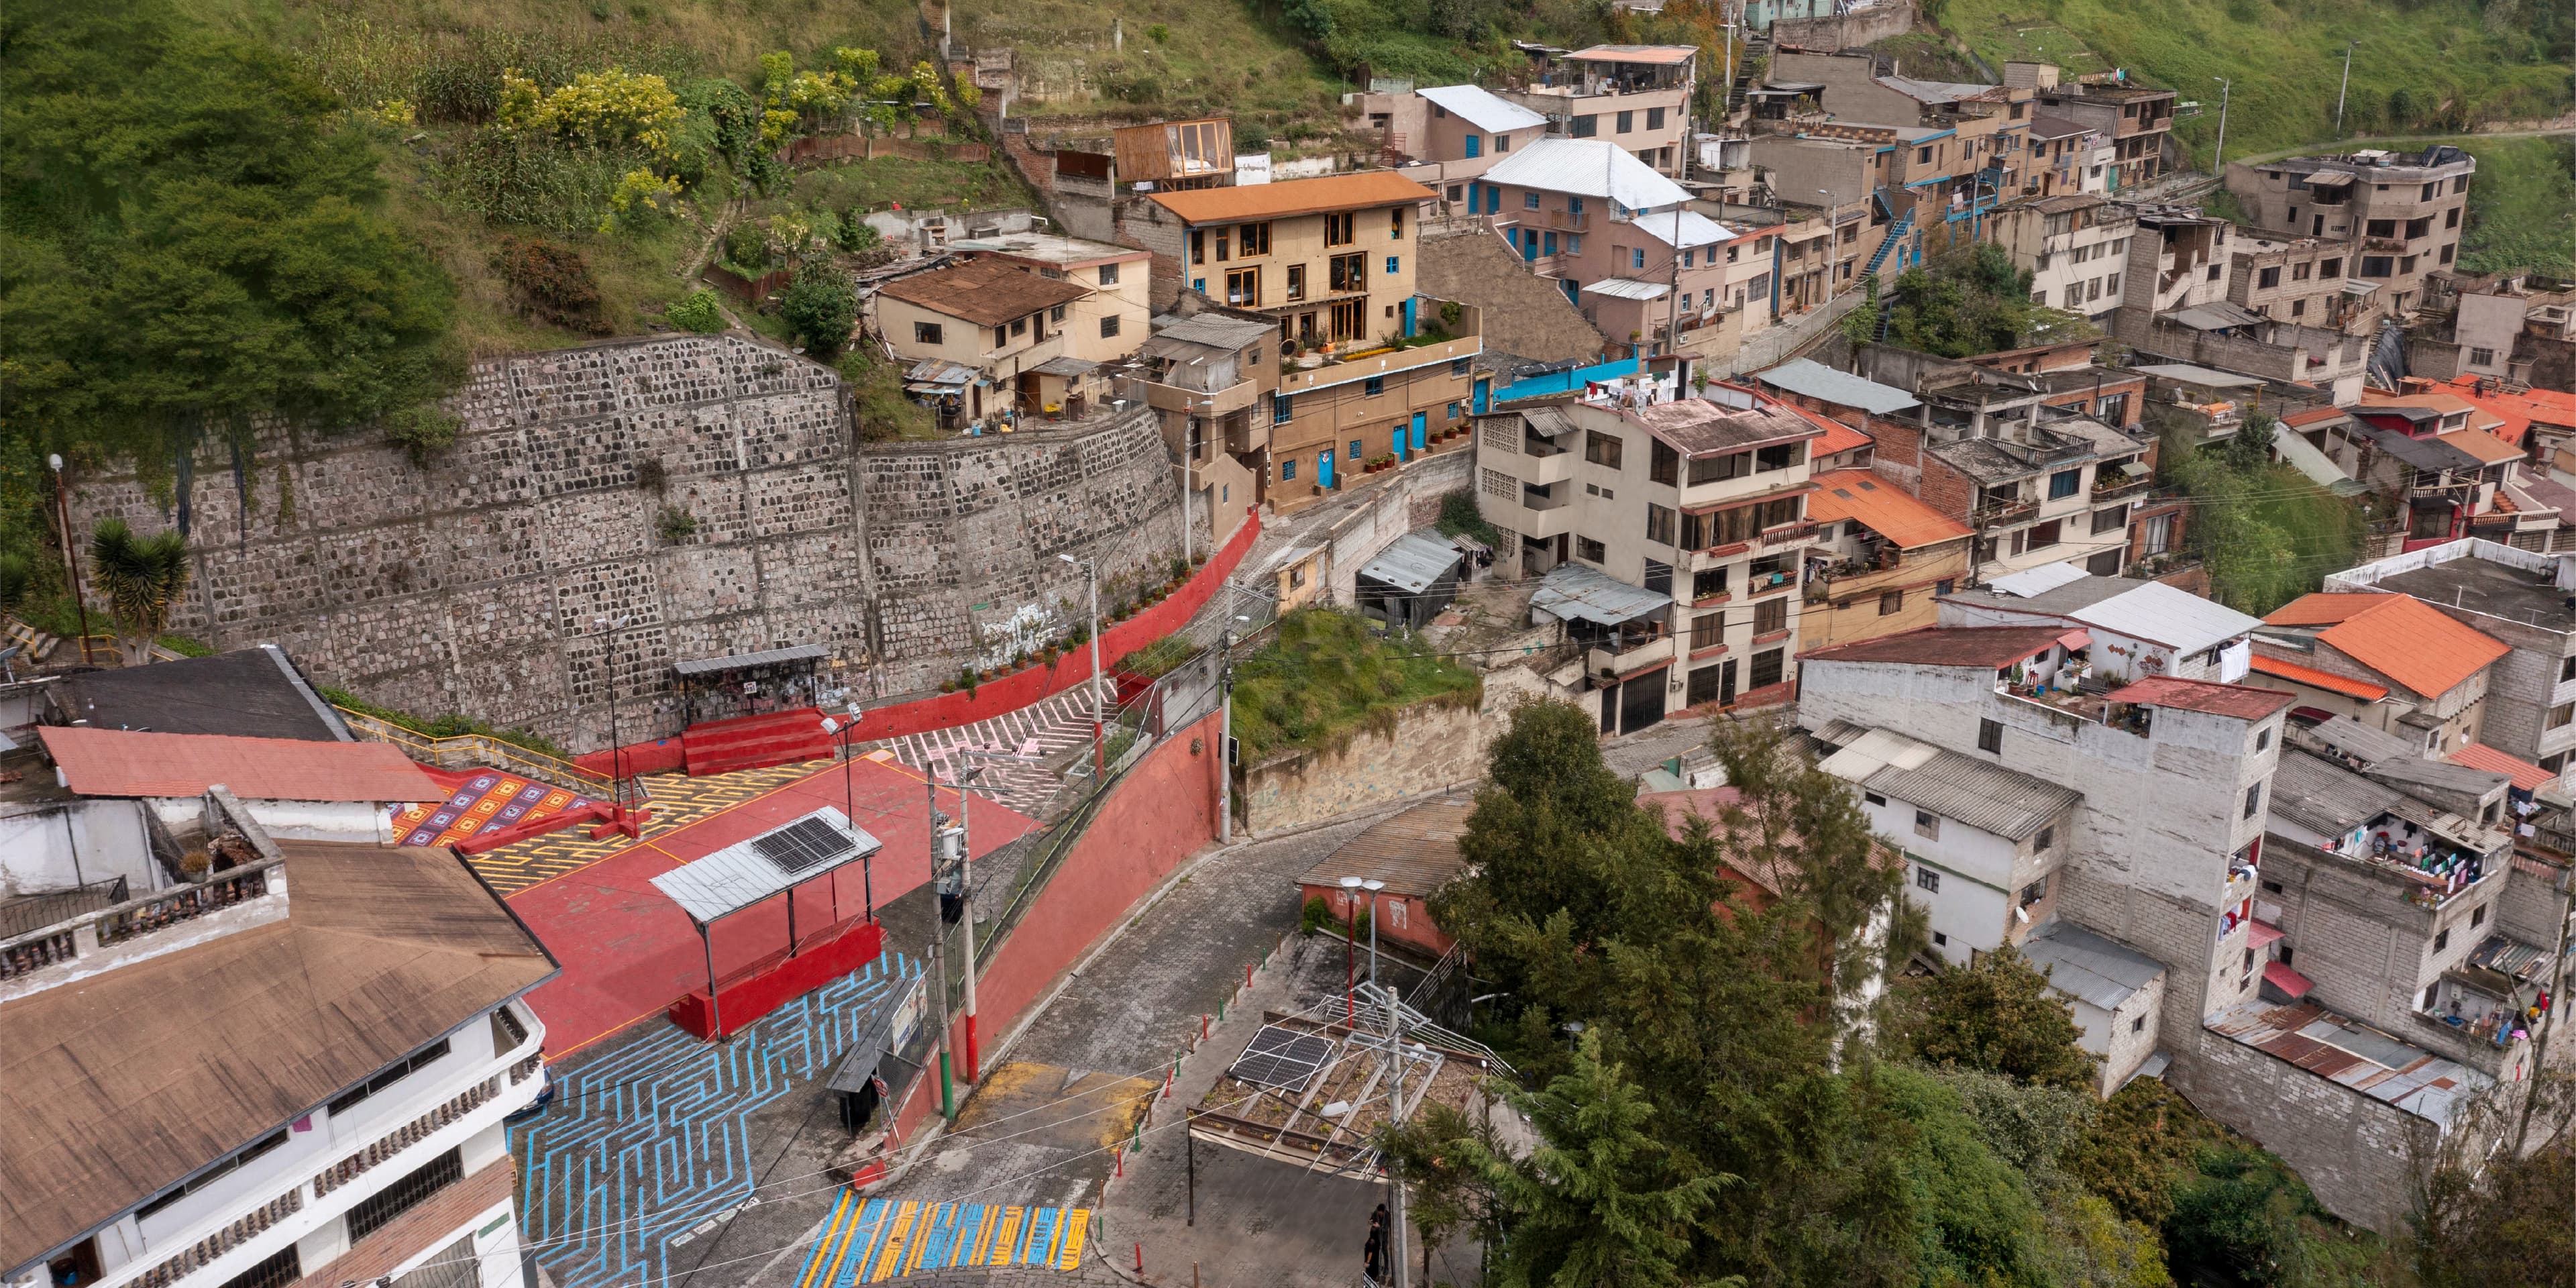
1588	168
1569	591
1412	562
1474	105
1816	380
1695	229
2037	581
738	876
2165	615
1628	289
1876	750
2090	967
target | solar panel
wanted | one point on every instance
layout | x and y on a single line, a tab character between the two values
805	843
1282	1059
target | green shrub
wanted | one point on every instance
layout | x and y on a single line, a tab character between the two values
1326	675
821	307
450	725
746	246
1316	916
550	283
675	524
1460	517
698	312
423	430
1160	658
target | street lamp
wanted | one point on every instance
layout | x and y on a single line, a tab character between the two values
1833	243
608	668
849	808
71	553
2218	160
1091	583
1350	949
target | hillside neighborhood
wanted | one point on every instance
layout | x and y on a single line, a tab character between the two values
1737	643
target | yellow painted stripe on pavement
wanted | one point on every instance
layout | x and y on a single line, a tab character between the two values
1006	1237
1080	1221
837	1227
895	1243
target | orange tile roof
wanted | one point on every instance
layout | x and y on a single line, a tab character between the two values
2242	702
2442	401
2399	636
2481	444
1882	507
2316	679
125	762
2525	775
1839	437
1293	197
2518	411
2313	415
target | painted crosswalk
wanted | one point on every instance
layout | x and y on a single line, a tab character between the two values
869	1240
1047	729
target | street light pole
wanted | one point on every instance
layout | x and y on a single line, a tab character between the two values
2346	85
71	553
1225	739
608	667
2218	162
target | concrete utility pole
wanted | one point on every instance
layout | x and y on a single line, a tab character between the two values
1225	739
2346	85
1091	584
1391	1071
946	843
2218	162
2557	1003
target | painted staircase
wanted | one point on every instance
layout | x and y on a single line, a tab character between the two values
755	742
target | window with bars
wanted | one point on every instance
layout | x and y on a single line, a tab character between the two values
377	1210
279	1270
1766	668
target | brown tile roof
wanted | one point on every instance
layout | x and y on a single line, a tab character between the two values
1294	197
1995	647
124	1083
1414	852
2399	636
987	292
2525	775
1882	508
127	762
2241	701
1524	315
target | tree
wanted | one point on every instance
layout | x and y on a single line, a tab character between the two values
821	307
2244	1216
2266	533
1999	1017
2504	1223
2140	1148
1970	300
141	580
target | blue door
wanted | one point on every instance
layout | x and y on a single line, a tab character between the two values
1529	244
1324	468
1419	426
1484	394
1474	197
1551	244
1408	316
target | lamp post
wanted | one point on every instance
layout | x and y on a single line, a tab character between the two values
1091	585
71	552
849	807
1372	885
1350	950
2218	160
1833	243
616	749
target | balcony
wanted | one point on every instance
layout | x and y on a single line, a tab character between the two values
165	921
1343	361
2116	486
1603	663
2390	245
1789	534
1995	514
1545	468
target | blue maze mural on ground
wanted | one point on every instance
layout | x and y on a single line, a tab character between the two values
644	1142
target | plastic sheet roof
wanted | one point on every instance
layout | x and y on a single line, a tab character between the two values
738	876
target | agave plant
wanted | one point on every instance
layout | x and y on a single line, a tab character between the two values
141	578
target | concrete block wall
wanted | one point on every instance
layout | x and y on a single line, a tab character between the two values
472	583
2359	1154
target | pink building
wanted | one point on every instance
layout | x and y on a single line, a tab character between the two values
1617	237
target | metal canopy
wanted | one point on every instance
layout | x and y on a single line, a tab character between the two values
744	874
746	661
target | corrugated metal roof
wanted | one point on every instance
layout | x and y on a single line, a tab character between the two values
1215	331
2353	1054
1478	107
737	876
745	661
1548	422
1415	852
2032	582
2316	679
1868	751
1412	561
1577	590
2186	373
1694	228
2509	957
1066	366
1628	289
2092	968
2166	615
1588	168
2361	741
1987	797
1816	380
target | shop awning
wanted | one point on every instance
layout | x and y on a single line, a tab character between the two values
746	661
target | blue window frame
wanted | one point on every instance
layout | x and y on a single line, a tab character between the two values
1199	284
1638	257
1686	257
1529	201
1373	386
1287	470
1574	205
1355	449
1453	411
1390	265
1279	409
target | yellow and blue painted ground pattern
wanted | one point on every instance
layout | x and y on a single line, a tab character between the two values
870	1241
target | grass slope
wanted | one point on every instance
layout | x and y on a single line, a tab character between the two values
2454	63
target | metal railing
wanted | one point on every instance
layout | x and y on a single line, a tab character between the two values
36	912
481	751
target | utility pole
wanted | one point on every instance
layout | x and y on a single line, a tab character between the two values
1225	739
1392	1070
71	554
2346	85
2218	162
948	843
1091	584
939	985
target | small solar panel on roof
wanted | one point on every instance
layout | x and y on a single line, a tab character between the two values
805	843
1282	1059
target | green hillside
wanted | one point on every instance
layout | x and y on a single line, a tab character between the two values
2437	65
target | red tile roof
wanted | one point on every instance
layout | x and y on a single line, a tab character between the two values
2399	636
123	762
2316	679
2313	415
1839	437
2525	775
1882	507
2240	701
1992	647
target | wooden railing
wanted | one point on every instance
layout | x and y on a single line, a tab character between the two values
474	750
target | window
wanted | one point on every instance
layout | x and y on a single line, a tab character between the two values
1708	630
2110	520
1585	548
1296	281
1990	737
1585	127
1707	582
377	1210
1928	826
1890	602
2138	1024
1637	257
2380	228
1349	273
2045	534
1373	386
2560	715
2262	740
1659	577
1766	668
1663	464
1771	615
1390	265
2376	265
1922	156
1475	147
388	1076
1712	469
1243	288
1627	122
2268	278
2034	892
1056	315
1659	524
2253	800
224	1167
1502	143
1355	449
1778	456
2046	840
2481	357
1341	228
1654	118
1601	449
1252	239
1109	275
2442	940
926	333
1019	326
1280	409
1453	411
2065	483
1198	246
2330	268
1287	468
2478	918
1395	224
1940	940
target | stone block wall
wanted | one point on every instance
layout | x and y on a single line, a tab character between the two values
475	582
1431	747
2361	1155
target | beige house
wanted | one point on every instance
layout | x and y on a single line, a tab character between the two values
987	343
1331	258
1111	319
1636	96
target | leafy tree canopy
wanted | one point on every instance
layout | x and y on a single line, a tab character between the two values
1999	1016
1969	300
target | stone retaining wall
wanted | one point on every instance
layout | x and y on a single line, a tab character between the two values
474	583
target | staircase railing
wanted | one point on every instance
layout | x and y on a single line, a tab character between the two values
479	751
